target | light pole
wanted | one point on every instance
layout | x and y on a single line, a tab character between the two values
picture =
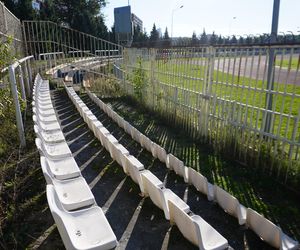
172	19
233	18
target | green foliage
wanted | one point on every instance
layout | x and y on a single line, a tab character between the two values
154	35
22	9
6	55
8	132
82	15
203	38
139	80
138	35
166	34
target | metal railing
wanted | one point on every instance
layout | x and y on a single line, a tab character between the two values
217	94
48	37
81	54
221	95
15	75
18	76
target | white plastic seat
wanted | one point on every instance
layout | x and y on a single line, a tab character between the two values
230	204
43	102
73	193
160	195
114	116
45	107
43	98
159	152
43	95
49	112
83	109
133	168
53	151
151	177
128	127
200	183
178	166
43	92
63	169
110	144
95	125
135	134
123	123
44	119
101	134
90	120
269	232
119	153
101	104
50	137
86	114
120	121
108	110
47	119
146	142
196	229
53	126
81	229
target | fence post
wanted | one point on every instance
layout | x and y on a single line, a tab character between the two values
152	61
14	90
29	73
208	86
271	67
23	93
27	79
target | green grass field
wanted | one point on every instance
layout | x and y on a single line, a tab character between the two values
286	63
252	92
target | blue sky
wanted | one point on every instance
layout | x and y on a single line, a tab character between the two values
252	16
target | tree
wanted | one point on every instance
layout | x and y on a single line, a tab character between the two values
166	34
233	40
22	9
220	40
83	15
213	39
241	40
137	34
47	11
166	39
139	37
154	35
203	38
194	39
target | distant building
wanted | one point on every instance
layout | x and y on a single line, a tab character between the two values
136	22
125	21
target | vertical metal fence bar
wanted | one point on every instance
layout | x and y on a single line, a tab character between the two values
21	81
28	88
14	92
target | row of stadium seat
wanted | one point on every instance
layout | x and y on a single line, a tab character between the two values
264	228
81	223
193	227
